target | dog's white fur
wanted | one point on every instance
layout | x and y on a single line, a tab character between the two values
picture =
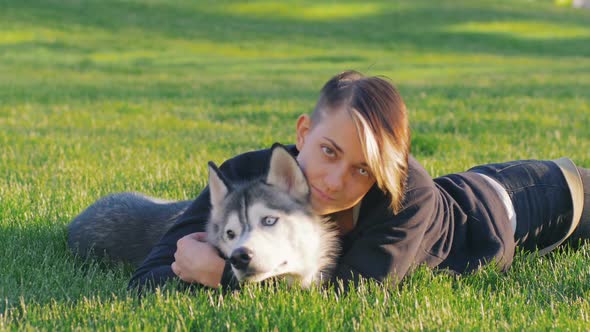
290	241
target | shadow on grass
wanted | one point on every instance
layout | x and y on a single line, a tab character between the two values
421	26
416	27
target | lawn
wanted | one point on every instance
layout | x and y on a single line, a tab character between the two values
101	96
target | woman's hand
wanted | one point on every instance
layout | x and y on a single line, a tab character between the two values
197	261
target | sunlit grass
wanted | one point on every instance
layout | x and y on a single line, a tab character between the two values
321	12
526	30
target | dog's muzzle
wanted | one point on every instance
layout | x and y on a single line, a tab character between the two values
240	258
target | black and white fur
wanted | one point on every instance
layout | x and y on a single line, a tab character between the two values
266	228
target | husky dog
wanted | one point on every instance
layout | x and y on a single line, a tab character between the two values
123	227
266	227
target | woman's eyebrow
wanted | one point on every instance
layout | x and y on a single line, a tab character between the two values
337	147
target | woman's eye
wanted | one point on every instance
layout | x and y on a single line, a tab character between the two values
328	152
230	234
269	221
363	172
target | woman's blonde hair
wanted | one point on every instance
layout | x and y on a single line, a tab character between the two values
381	119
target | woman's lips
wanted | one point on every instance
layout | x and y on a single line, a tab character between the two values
322	195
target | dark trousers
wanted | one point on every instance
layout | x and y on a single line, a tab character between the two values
541	199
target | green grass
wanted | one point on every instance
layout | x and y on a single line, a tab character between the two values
105	96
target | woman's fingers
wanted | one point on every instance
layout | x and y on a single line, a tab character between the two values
175	268
199	236
197	261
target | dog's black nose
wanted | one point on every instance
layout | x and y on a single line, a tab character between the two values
240	258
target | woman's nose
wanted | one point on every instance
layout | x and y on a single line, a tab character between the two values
335	179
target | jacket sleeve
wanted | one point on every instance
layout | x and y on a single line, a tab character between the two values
388	245
156	268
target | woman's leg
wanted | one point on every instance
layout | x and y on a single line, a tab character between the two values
541	200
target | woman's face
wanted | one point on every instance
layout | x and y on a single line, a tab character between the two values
332	159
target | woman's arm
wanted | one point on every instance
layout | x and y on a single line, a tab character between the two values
387	245
203	259
180	240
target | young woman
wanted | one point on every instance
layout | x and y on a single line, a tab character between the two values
354	150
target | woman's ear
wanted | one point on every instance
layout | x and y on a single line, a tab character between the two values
303	126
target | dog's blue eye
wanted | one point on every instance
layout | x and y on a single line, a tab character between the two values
269	221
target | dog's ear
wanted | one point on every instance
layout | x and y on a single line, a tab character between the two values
218	187
285	173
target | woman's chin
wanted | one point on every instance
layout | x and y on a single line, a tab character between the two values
322	210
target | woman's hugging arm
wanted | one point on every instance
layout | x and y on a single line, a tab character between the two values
388	245
156	269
